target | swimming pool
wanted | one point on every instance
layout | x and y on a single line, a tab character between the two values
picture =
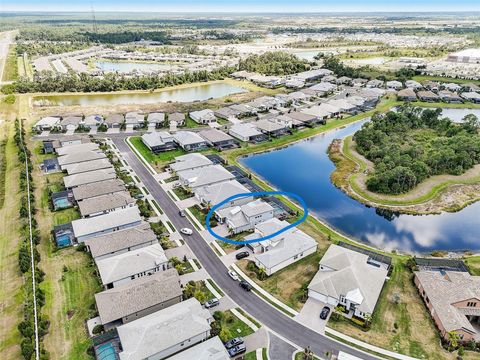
64	240
106	352
61	203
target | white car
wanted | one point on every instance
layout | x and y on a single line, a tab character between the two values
186	231
233	275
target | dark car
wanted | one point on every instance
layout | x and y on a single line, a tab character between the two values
324	313
211	303
182	213
239	246
245	285
234	342
242	255
237	350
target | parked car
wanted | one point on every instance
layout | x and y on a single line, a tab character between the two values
186	231
324	313
233	275
176	185
242	255
237	350
212	303
182	213
245	285
234	342
238	247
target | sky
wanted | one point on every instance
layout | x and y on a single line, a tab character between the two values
278	6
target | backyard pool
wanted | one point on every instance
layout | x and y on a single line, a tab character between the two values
61	203
106	352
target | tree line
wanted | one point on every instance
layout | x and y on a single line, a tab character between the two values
409	145
274	63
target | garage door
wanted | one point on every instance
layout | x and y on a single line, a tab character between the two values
332	301
317	296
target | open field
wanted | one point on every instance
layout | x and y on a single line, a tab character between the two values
10	71
421	78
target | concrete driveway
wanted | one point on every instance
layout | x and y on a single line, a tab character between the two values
279	349
186	203
230	259
310	315
113	131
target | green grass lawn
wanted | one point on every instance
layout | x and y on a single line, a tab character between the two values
473	263
231	326
421	78
158	159
182	193
65	216
10	71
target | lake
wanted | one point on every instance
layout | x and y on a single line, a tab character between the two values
128	67
304	169
185	94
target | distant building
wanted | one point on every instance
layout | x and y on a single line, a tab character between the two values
470	56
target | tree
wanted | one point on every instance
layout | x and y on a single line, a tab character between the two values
225	334
453	338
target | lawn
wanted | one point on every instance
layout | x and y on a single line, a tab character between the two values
473	263
198	290
157	160
421	78
10	71
231	326
182	193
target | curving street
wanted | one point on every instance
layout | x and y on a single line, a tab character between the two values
256	306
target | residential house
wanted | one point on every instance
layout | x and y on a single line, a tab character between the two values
104	224
294	83
394	85
156	118
343	80
84	178
134	120
205	116
305	119
427	96
282	250
218	139
77	148
134	300
204	176
190	162
297	97
471	96
47	123
128	266
80	157
374	83
431	85
323	88
407	95
246	132
177	118
266	81
242	75
87	166
119	242
226	113
312	75
329	79
190	141
271	128
92	121
412	84
453	300
211	349
212	195
245	217
359	82
165	332
263	103
348	278
97	189
344	106
68	140
114	121
104	204
452	87
159	141
70	123
243	110
450	97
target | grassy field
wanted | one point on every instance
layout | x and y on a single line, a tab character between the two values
10	71
421	78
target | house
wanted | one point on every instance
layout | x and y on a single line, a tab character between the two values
271	128
323	111
211	349
136	299
241	75
427	96
312	75
114	121
284	120
323	88
412	84
78	168
407	95
212	195
80	157
359	82
226	113
245	217
246	132
449	96
205	116
70	123
453	300
263	103
344	105
343	80
374	83
305	119
190	141
156	118
128	266
92	121
69	140
431	85
134	120
77	148
394	85
50	166
204	176
218	139
96	189
282	250
266	81
47	123
297	97
104	204
294	83
104	224
243	110
452	87
471	96
165	332
348	278
177	118
84	178
190	162
159	141
119	242
329	78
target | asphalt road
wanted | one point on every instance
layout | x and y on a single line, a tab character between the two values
256	306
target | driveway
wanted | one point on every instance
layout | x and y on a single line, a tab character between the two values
186	203
194	276
279	349
310	315
113	131
230	259
179	252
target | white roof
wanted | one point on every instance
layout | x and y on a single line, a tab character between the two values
89	177
205	114
48	121
323	86
156	117
244	130
82	227
153	139
190	161
238	215
87	166
205	176
212	349
468	53
163	329
76	148
80	157
129	263
187	138
216	193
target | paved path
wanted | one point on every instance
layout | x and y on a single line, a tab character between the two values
252	304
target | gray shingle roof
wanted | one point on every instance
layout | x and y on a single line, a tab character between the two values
89	177
80	157
212	349
87	166
97	189
190	161
77	148
104	202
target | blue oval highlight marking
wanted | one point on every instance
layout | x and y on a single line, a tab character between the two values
260	193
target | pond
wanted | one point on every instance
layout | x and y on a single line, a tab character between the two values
304	169
128	67
198	92
307	54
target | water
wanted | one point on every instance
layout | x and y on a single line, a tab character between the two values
458	114
304	168
128	67
106	352
307	54
64	240
187	94
62	203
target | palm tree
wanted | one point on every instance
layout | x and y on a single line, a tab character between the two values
261	273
